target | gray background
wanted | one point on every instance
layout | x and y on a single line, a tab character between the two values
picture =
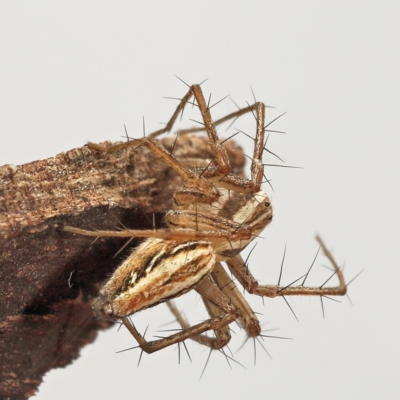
72	72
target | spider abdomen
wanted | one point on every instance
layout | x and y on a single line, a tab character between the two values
155	272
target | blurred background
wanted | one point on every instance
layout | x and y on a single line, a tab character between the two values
73	72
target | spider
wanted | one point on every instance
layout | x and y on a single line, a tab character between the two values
214	216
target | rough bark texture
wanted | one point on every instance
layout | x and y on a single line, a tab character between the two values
48	277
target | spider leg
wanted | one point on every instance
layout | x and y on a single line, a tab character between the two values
235	114
200	180
223	165
175	115
221	157
198	188
223	335
242	273
247	319
208	290
167	128
257	169
178	235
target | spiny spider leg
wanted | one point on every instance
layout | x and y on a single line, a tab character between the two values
235	114
175	115
257	169
224	166
240	233
168	127
242	273
207	289
200	181
221	157
199	189
247	318
222	335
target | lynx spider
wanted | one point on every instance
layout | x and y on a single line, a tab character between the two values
214	217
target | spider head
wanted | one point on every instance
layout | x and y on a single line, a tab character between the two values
253	210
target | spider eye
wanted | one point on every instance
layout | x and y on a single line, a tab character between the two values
266	204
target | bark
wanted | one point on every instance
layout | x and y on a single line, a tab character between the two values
49	277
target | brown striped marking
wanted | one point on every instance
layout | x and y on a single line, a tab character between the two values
155	272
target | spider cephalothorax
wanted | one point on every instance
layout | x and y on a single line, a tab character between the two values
215	215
